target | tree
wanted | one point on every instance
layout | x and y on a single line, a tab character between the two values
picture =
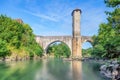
108	38
87	52
59	50
18	37
3	50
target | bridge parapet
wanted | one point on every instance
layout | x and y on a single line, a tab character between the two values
54	36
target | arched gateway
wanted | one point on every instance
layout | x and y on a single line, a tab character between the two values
74	42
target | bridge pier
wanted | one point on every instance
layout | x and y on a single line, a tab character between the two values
76	48
76	38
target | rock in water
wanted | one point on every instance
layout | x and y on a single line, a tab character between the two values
111	70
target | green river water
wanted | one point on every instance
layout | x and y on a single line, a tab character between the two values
49	69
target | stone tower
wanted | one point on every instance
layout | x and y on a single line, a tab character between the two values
76	37
19	20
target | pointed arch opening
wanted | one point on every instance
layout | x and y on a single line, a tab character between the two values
58	49
87	48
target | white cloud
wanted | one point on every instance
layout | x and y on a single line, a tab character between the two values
42	16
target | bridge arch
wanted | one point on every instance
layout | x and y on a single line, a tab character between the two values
87	44
87	39
55	42
87	47
45	41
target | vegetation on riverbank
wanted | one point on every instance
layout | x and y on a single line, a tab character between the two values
17	39
107	43
59	50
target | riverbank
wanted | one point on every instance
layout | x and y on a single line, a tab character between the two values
18	58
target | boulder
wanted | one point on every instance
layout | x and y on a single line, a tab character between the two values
111	70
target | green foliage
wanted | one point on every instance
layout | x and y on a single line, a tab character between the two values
3	49
87	52
59	50
98	51
18	37
107	42
112	3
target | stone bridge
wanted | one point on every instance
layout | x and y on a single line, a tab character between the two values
45	41
74	42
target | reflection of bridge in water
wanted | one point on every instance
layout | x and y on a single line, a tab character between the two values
56	69
77	70
60	70
74	42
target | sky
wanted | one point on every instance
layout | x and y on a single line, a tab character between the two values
53	17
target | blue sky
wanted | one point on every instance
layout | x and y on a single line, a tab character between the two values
53	17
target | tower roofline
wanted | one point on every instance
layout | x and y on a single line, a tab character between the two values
76	10
19	20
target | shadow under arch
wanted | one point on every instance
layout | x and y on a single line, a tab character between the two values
47	47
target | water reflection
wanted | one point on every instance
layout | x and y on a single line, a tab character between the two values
49	69
19	70
60	70
54	70
77	70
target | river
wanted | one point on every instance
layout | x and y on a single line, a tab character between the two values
49	69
